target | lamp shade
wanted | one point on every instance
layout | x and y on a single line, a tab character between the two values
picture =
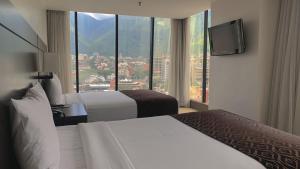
51	63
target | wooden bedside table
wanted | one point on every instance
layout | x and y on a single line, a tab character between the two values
71	115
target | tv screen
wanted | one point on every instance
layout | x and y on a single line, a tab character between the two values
227	38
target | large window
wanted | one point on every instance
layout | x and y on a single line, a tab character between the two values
134	52
138	46
111	52
199	60
161	59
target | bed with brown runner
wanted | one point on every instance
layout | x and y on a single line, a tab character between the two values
121	105
212	139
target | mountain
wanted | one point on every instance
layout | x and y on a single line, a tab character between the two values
97	35
94	35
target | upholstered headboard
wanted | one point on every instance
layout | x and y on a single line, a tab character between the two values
20	50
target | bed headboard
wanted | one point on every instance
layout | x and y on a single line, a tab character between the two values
20	50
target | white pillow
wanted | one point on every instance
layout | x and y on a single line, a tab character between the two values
54	91
37	89
33	131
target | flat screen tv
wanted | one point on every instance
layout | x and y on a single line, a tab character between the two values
227	38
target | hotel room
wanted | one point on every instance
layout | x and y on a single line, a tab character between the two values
150	84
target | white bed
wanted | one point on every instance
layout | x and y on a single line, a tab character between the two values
105	105
149	143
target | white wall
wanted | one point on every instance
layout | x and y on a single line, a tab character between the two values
34	14
239	83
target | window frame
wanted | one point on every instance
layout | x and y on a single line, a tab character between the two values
204	71
152	22
76	52
117	53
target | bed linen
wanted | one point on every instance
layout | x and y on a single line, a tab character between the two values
156	142
105	105
151	103
271	147
71	150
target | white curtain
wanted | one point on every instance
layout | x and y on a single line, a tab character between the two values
284	106
58	30
179	79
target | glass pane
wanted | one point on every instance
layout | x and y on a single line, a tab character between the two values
161	58
134	52
96	45
72	46
196	55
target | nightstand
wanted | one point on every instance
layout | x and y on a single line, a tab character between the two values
71	115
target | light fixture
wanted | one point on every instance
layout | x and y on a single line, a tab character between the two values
140	3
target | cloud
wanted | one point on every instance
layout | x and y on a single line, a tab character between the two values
98	16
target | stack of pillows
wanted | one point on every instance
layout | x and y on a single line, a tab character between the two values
34	134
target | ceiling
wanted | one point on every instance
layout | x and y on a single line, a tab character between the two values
156	8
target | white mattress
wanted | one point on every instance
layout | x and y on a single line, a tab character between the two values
156	143
71	150
105	105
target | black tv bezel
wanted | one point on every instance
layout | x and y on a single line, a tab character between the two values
241	48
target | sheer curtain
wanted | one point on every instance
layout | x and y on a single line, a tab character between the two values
58	30
179	79
284	102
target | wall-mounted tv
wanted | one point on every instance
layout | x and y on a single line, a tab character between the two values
227	38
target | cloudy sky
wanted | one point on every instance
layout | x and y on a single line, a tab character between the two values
99	16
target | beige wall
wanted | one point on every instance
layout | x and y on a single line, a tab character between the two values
239	83
34	14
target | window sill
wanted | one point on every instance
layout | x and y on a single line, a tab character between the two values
198	105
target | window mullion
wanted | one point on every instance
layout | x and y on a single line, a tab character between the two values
204	70
76	52
151	53
117	52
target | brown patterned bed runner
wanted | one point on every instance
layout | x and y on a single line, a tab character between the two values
151	103
273	148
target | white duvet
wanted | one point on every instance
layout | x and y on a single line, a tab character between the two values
105	105
156	143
